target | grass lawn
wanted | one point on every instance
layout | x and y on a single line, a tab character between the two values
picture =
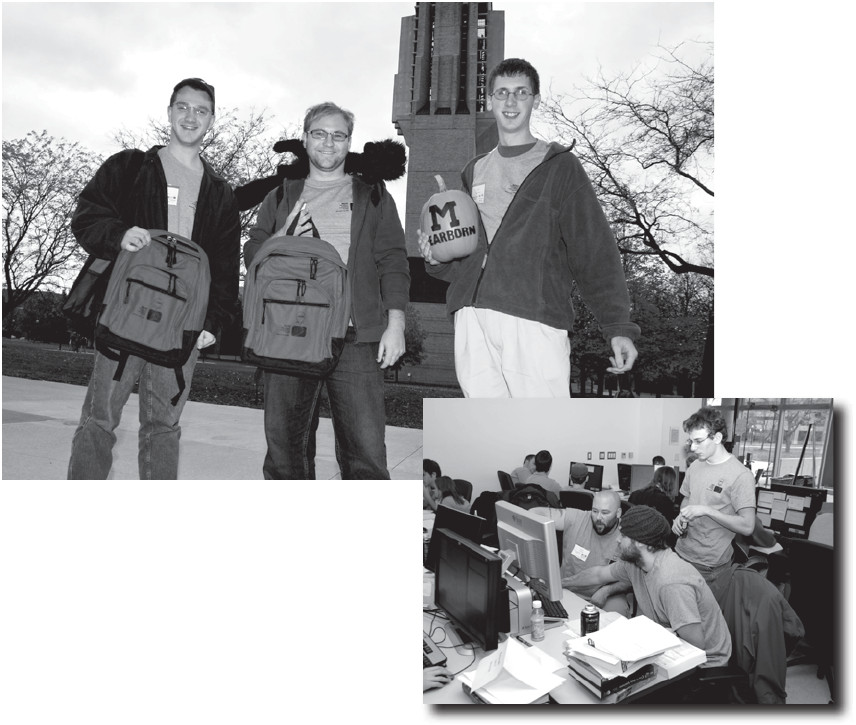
222	383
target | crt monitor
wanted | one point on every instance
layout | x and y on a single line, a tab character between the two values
467	525
641	475
531	541
470	588
594	482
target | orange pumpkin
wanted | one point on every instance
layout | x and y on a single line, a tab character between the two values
451	220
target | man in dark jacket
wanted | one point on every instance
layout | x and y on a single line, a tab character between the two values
542	231
360	220
169	187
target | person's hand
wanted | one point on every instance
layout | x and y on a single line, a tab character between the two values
693	511
298	210
205	339
425	248
391	345
623	355
435	677
135	239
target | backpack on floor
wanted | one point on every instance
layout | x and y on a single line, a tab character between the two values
155	304
297	304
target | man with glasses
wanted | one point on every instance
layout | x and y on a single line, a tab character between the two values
360	220
168	187
719	501
543	232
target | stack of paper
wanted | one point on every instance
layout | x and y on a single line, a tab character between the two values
678	660
513	675
609	659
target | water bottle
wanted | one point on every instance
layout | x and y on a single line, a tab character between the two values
537	622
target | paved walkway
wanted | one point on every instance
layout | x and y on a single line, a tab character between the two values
218	442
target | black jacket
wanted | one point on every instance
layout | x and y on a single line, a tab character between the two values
130	190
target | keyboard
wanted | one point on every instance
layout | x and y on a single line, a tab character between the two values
431	654
554	610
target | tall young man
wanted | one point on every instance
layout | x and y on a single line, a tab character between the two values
169	187
360	220
718	503
542	231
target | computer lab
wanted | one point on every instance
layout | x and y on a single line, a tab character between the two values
636	551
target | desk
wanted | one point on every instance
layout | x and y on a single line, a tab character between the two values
466	657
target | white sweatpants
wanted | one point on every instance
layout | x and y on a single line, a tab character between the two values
502	356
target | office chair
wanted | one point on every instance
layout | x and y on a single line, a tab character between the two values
505	482
821	530
812	574
465	488
581	500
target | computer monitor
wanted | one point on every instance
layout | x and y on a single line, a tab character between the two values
467	525
641	475
531	540
594	482
470	588
624	477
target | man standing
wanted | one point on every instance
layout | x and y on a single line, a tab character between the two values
521	474
168	187
719	501
590	539
543	231
360	220
543	464
667	589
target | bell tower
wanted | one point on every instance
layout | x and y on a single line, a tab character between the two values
439	105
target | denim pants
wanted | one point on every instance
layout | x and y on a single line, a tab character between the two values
355	390
92	446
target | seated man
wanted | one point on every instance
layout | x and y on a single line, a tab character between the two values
668	590
543	464
430	495
520	475
590	539
579	474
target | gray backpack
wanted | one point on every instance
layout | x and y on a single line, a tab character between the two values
155	304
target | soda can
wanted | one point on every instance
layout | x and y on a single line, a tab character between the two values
589	620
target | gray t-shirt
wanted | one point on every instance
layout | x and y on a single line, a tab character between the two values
330	204
584	547
674	594
728	487
496	179
182	193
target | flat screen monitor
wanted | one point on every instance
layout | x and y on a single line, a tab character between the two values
531	540
641	475
467	525
594	482
624	476
470	588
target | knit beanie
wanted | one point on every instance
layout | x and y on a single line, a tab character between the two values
645	525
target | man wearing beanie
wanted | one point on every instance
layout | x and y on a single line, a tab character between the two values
668	590
591	539
719	502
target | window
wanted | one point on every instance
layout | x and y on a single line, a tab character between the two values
775	435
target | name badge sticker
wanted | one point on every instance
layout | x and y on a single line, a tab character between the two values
580	553
478	194
172	195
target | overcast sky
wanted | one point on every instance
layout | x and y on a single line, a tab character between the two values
83	70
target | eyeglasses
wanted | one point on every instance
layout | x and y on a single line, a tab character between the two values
521	94
697	442
319	134
199	111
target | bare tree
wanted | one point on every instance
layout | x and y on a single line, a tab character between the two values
42	177
646	139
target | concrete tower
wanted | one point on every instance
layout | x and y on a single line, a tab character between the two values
439	106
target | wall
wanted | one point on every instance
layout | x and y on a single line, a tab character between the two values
472	439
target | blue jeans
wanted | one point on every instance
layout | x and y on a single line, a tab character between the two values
355	390
92	446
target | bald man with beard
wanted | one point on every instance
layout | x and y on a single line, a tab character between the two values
590	539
